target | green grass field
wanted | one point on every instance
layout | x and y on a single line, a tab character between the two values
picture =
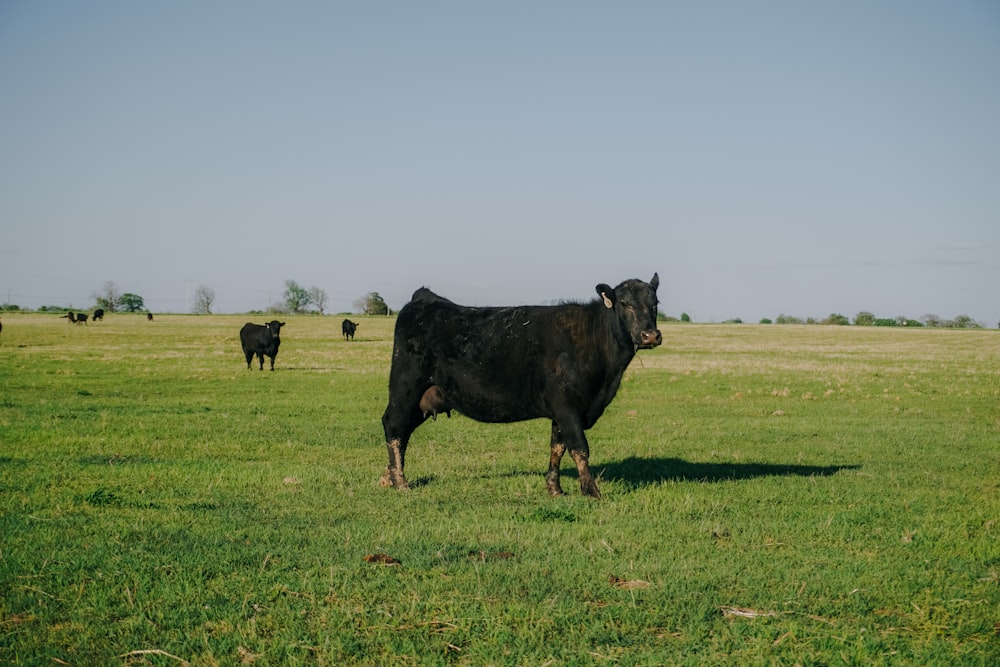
773	495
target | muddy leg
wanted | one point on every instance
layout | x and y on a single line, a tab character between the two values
557	449
393	475
552	478
588	486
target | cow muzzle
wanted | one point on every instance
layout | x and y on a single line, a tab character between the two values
650	338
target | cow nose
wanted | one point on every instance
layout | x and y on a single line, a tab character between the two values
651	337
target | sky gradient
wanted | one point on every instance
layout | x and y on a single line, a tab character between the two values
765	158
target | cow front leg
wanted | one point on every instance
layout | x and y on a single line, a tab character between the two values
556	451
581	456
393	475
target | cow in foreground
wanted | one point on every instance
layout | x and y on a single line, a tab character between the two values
262	340
348	328
562	363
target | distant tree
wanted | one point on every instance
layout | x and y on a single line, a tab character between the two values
204	297
965	322
864	319
372	304
931	320
318	298
766	320
685	317
788	319
108	298
836	318
131	303
296	297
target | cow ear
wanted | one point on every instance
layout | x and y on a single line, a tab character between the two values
654	282
607	295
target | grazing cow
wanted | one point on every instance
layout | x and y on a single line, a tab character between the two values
563	363
149	317
348	328
75	318
261	340
98	315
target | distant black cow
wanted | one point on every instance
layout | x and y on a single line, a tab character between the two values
98	315
348	328
261	340
76	318
149	317
562	363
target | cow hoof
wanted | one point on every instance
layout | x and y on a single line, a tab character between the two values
388	479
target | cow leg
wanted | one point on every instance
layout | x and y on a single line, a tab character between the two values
272	362
249	356
393	475
581	456
399	423
260	356
567	434
557	449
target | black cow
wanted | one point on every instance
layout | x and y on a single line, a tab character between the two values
98	315
562	363
261	340
348	328
75	318
149	317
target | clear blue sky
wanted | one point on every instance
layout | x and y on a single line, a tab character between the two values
791	157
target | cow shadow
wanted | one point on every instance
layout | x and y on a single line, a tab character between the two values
636	472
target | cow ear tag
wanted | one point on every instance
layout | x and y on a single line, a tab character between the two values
607	301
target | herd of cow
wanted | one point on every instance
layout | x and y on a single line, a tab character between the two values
81	318
563	363
505	364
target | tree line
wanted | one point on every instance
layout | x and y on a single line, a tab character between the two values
296	299
862	319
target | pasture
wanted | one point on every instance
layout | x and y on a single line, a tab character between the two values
773	495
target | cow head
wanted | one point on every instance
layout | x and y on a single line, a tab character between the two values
635	304
275	327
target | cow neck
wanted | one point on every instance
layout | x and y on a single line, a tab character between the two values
619	346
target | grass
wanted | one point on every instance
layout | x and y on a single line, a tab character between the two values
772	495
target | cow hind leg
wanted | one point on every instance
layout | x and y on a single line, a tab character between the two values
249	356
